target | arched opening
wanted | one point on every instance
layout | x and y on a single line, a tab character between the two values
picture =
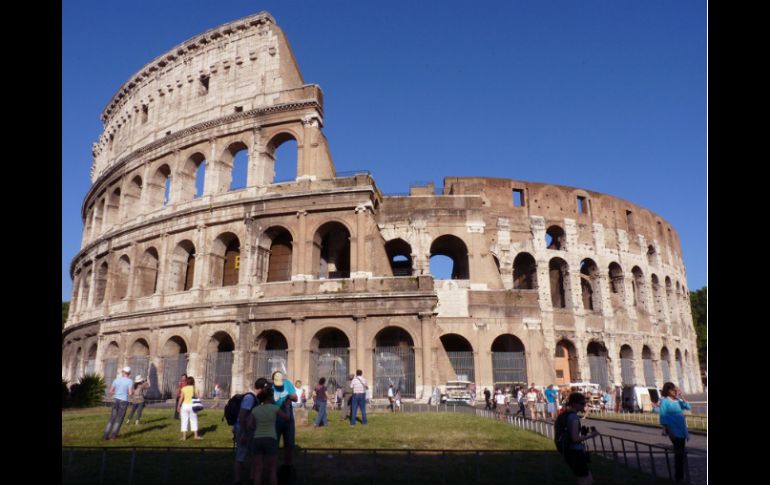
651	255
460	354
113	208
147	273
558	272
85	289
589	278
393	362
566	362
524	272
617	286
509	363
638	287
555	238
91	360
455	249
182	274
679	368
174	364
120	288
283	153
279	254
627	366
649	368
159	187
272	354
192	177
219	363
330	358
132	197
139	358
400	257
597	363
665	365
236	157
225	260
76	366
331	251
100	284
657	295
110	364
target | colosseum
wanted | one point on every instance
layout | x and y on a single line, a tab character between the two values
323	274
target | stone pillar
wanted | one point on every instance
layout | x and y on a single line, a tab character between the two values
360	361
200	278
297	370
92	289
237	379
213	169
359	266
301	249
427	323
143	202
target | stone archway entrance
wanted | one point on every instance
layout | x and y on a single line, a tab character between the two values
509	362
330	358
565	363
272	355
393	362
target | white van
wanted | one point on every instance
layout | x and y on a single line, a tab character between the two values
638	399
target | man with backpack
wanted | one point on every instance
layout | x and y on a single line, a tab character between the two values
569	438
243	404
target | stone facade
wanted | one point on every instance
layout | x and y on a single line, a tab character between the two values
323	274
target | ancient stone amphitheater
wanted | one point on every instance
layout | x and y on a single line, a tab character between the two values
324	274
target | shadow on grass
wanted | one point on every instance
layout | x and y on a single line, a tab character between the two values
137	432
207	429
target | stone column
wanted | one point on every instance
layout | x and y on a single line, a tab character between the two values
360	361
297	371
359	266
213	170
200	278
300	249
427	323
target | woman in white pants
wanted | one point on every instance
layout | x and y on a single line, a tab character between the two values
185	409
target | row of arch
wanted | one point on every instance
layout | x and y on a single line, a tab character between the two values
556	239
188	179
393	360
331	259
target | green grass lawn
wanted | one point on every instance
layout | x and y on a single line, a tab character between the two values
535	462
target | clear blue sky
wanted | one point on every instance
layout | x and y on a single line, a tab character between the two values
605	95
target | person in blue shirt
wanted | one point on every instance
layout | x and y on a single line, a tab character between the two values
551	397
284	394
240	433
122	388
674	424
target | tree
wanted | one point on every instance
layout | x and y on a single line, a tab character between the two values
699	303
65	310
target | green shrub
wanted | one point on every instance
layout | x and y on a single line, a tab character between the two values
65	393
88	392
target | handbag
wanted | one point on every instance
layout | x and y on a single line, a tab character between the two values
197	405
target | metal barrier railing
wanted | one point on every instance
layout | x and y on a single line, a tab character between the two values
693	421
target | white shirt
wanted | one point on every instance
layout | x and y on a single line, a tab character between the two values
359	385
390	392
500	398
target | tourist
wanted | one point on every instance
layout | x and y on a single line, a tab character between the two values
284	394
569	439
360	386
262	421
137	400
186	411
674	424
122	388
320	402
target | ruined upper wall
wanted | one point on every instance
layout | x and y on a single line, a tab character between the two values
239	66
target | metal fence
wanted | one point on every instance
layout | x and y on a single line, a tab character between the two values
598	366
693	421
173	368
109	372
462	363
394	366
219	370
627	372
140	365
331	363
649	373
509	367
265	362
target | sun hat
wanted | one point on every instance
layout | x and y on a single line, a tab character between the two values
127	369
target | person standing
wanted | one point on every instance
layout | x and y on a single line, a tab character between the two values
520	401
182	382
338	398
321	401
618	397
285	394
499	402
398	400
487	399
360	386
261	424
674	424
240	433
137	400
390	398
569	440
122	388
551	397
186	411
531	398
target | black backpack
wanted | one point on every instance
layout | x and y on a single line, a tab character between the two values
233	407
561	435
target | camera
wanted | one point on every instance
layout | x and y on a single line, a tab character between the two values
584	430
